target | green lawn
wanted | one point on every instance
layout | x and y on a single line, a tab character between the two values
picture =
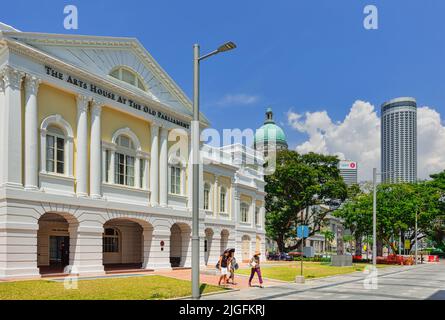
136	288
311	270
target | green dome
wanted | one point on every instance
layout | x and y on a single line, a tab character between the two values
270	130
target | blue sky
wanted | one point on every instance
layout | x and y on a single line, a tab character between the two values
292	55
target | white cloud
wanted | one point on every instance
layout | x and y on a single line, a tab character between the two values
431	140
238	99
357	137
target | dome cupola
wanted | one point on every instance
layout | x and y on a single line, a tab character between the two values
268	133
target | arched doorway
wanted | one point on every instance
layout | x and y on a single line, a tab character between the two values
245	248
124	244
53	242
208	245
258	244
180	245
224	241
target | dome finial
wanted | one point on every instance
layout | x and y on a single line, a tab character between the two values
269	116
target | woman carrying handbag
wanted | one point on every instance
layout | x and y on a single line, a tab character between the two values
255	268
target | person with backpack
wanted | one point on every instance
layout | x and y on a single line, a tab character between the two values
255	268
233	266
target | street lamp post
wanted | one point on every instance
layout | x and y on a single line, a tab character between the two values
195	161
374	217
415	234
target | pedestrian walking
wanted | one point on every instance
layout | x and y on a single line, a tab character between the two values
223	266
233	266
255	268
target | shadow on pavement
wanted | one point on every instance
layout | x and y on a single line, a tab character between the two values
439	295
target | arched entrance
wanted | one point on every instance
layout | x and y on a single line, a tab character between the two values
224	241
208	245
258	244
53	242
124	242
245	248
180	245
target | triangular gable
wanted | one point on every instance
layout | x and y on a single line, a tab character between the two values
100	55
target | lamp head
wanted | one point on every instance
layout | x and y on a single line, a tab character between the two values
227	46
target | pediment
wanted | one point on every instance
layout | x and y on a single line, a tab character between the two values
100	55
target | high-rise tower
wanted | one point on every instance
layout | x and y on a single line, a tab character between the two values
399	140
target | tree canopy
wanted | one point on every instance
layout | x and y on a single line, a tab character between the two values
397	208
298	182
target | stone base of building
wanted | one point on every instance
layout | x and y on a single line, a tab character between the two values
31	238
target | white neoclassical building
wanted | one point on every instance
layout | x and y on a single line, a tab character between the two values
94	169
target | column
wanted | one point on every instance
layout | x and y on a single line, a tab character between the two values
146	175
237	207
86	251
137	172
233	203
216	198
82	147
112	167
253	213
154	165
11	126
215	248
104	167
95	152
158	255
18	242
163	169
31	133
147	246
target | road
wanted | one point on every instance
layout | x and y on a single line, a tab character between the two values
425	281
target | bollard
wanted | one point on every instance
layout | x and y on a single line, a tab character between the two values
299	279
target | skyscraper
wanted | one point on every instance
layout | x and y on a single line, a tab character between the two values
348	171
399	140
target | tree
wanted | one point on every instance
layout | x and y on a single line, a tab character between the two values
300	181
356	214
437	234
397	208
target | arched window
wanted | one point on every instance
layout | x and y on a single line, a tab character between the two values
207	196
223	200
124	162
175	180
127	75
111	240
56	146
176	174
124	165
244	212
55	150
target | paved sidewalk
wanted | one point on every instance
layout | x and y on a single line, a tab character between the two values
416	282
210	277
